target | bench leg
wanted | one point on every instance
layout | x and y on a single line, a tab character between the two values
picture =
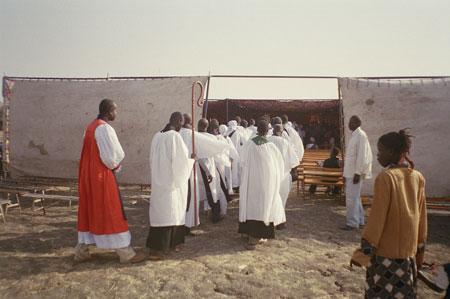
18	203
42	207
2	213
43	203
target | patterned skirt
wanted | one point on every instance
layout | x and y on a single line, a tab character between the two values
391	278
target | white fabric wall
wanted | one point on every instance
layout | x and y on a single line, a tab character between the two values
391	105
48	118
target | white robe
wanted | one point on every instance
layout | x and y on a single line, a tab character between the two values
238	141
244	133
171	168
253	129
205	147
222	163
234	158
295	140
209	166
290	161
262	171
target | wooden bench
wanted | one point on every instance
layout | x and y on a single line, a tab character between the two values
40	198
310	159
322	176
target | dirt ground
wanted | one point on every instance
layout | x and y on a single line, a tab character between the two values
309	259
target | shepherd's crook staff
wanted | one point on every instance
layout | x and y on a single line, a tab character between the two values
200	104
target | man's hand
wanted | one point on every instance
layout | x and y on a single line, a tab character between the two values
356	178
194	156
352	262
210	178
118	169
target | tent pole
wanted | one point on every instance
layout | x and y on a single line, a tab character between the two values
205	109
226	101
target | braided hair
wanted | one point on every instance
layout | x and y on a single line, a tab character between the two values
399	142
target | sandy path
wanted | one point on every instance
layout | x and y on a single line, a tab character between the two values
309	259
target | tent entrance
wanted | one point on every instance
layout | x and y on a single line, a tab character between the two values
318	118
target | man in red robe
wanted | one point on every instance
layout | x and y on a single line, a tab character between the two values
101	217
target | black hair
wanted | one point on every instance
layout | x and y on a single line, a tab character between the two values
284	119
335	151
105	106
276	120
263	125
175	117
399	142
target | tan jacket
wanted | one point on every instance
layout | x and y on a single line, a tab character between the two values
397	223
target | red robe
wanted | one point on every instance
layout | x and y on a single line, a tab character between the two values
99	209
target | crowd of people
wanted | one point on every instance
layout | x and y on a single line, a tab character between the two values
253	159
317	135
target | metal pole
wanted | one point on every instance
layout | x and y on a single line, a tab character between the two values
205	107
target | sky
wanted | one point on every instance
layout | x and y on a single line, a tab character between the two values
81	38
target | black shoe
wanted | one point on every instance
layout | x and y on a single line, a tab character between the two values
348	227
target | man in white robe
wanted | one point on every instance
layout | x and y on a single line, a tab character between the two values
260	204
207	181
221	160
171	167
241	129
294	138
234	158
238	141
252	127
205	148
289	158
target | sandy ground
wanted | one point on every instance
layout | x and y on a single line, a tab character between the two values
309	259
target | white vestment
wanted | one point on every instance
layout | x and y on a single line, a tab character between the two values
234	157
209	166
253	129
205	147
290	161
238	141
262	171
244	133
171	168
295	140
222	163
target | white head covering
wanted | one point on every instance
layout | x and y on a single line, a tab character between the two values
223	130
289	124
232	124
